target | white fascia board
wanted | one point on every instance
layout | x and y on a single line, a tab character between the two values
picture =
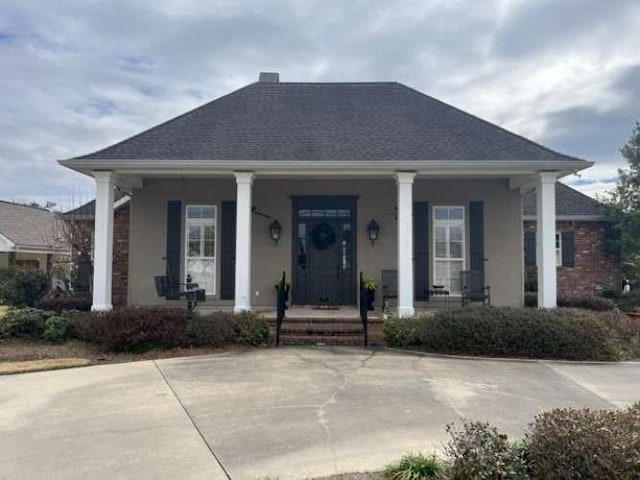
435	168
117	204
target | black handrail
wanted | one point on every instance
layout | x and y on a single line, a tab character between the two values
281	304
364	309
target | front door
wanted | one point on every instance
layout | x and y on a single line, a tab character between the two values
324	250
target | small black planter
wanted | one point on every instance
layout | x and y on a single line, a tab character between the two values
371	299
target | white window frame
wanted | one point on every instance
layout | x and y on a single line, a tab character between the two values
462	222
558	249
187	222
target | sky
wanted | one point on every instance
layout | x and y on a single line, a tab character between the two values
78	75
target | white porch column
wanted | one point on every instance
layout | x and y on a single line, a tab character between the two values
546	239
244	182
405	243
103	241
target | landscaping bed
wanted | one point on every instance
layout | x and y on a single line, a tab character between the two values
129	334
569	334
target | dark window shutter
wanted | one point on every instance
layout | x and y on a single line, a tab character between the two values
421	250
530	247
228	250
174	234
476	238
568	248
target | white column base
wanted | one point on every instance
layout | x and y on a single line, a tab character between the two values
404	312
101	308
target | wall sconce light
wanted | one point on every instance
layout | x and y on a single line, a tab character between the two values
275	229
373	229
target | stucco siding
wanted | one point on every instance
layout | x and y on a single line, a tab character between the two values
377	199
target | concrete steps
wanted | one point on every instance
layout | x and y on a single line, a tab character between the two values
325	330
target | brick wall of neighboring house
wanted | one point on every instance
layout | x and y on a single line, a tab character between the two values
120	256
594	269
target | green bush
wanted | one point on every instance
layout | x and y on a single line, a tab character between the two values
629	302
214	329
27	323
587	302
413	466
22	287
481	451
251	329
509	332
579	444
55	329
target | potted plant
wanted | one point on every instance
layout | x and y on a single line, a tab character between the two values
370	287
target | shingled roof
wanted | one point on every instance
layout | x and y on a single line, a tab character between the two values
30	228
273	121
569	203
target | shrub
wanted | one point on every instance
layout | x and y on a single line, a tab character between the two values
133	329
251	329
213	330
577	444
24	323
55	329
413	466
505	331
629	302
481	451
22	288
63	303
587	302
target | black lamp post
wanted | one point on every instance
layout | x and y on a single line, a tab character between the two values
275	229
373	229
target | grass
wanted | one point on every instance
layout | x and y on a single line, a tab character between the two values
8	368
49	356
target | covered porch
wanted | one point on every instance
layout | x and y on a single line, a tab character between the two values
235	231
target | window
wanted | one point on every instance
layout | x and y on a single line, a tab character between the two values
200	245
449	251
558	249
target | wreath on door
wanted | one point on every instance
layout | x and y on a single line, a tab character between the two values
323	236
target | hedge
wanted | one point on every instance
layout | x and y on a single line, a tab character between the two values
586	302
63	303
560	333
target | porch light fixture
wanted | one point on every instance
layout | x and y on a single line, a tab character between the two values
373	229
275	229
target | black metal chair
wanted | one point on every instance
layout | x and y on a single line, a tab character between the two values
473	288
389	282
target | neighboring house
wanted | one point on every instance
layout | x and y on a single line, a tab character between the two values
80	225
324	159
584	265
30	237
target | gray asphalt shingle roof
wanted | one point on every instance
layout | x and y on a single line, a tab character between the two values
30	226
569	203
383	121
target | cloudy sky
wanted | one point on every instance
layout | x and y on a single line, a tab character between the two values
77	75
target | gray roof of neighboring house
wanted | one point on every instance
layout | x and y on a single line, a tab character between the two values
569	203
379	121
89	209
30	227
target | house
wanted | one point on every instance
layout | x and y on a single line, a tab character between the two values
30	237
584	264
80	224
323	160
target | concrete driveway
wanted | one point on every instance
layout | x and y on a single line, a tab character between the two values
287	413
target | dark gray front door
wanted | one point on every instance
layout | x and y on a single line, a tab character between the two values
325	250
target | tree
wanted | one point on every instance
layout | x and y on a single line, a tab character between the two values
624	207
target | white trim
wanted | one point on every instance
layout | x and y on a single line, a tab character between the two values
448	223
123	200
434	168
6	245
215	244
